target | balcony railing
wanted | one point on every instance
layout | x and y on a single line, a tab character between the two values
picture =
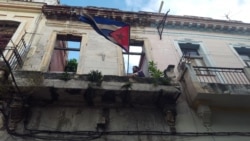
221	75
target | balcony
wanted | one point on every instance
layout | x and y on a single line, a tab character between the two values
215	86
40	90
112	91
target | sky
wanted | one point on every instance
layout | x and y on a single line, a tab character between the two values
217	9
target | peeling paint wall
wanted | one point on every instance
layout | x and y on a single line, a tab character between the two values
97	53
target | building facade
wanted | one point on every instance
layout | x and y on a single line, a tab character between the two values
203	94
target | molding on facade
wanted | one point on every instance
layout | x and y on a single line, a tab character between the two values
20	6
149	19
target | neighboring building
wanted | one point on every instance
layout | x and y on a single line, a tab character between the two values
207	60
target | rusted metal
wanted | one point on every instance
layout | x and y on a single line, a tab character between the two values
221	75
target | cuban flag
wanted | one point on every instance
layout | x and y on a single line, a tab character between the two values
115	31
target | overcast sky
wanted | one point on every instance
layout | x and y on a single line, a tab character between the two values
217	9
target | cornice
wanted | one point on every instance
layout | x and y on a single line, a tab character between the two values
148	19
21	6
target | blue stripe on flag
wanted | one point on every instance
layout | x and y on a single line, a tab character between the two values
115	29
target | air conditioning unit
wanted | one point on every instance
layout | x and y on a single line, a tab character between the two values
205	113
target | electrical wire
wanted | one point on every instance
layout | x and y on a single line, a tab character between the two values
91	135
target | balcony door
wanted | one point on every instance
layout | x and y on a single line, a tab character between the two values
192	53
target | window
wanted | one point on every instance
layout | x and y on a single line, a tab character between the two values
15	51
135	56
66	53
244	54
192	53
7	29
189	49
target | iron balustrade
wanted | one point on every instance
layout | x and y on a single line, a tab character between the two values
221	75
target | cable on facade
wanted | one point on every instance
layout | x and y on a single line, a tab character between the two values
90	135
12	75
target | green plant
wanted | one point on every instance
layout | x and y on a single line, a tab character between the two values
157	74
127	86
71	65
65	76
95	76
153	70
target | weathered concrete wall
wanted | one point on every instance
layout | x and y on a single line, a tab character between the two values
216	45
139	119
28	23
49	2
97	53
100	54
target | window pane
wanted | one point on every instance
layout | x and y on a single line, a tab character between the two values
134	60
134	49
73	44
66	54
190	52
73	54
189	49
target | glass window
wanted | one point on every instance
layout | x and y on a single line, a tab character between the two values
244	54
189	49
7	30
65	56
134	57
190	52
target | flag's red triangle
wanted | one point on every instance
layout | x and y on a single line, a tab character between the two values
121	36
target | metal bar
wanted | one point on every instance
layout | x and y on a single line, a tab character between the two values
24	44
221	77
197	72
217	79
218	68
225	75
69	49
128	65
238	77
11	74
229	77
134	53
162	24
245	78
234	79
209	77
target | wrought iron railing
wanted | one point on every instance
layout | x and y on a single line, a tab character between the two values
19	51
221	75
184	59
